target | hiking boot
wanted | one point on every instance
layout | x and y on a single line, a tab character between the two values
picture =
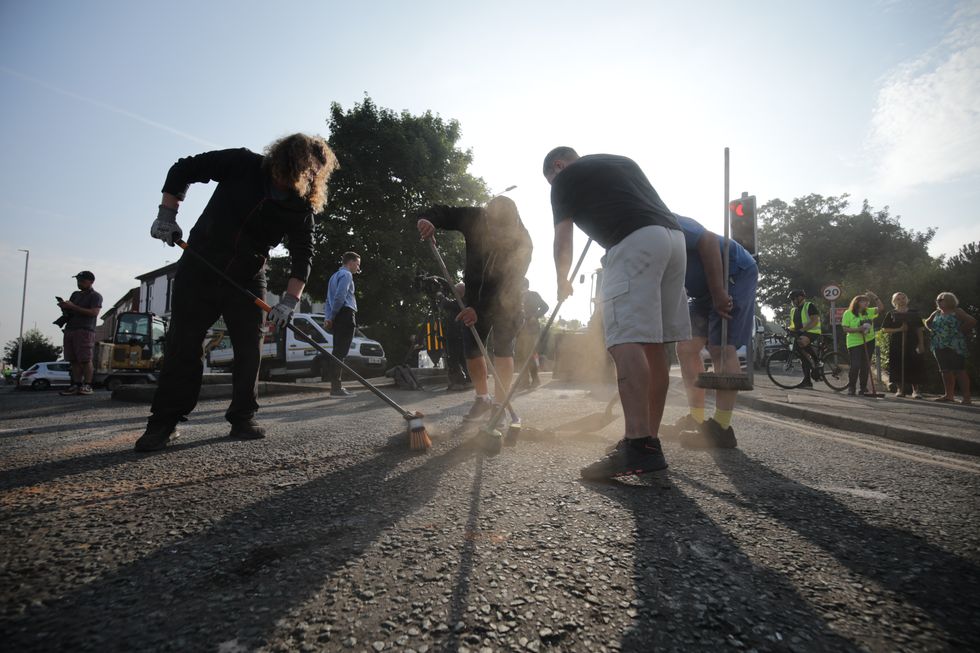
709	435
246	430
478	410
156	437
628	457
86	389
673	431
70	390
341	392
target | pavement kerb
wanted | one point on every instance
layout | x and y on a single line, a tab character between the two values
897	433
143	393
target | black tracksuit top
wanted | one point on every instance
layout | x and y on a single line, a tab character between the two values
244	218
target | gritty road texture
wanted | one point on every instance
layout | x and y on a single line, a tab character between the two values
331	535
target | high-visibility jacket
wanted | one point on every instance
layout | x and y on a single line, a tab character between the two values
800	316
851	321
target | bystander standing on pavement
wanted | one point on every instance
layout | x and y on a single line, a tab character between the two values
711	301
858	324
527	341
804	325
906	346
644	305
340	317
949	325
260	201
82	311
498	253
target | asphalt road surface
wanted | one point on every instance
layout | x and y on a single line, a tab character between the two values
331	535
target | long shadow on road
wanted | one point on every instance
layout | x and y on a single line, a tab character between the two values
697	591
240	577
940	583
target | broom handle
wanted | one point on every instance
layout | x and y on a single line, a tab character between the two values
724	273
289	325
495	417
462	306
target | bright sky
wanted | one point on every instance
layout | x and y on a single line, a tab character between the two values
879	99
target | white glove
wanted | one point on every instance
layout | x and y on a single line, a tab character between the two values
165	227
281	312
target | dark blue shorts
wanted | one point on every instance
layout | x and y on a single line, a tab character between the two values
505	325
705	323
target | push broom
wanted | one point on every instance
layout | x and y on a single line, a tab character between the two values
716	380
490	430
418	436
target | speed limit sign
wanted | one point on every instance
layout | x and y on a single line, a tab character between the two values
831	292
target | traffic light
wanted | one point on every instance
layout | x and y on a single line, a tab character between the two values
743	222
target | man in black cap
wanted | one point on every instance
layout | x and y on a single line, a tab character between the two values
81	310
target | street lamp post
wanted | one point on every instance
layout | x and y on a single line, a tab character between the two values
23	299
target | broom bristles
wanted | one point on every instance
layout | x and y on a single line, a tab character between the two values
418	439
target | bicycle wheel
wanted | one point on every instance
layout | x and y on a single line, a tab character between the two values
785	368
836	367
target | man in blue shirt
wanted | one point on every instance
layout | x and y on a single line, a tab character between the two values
340	317
711	300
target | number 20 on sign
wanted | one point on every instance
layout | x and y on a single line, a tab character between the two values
831	292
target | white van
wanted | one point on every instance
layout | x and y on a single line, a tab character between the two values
286	355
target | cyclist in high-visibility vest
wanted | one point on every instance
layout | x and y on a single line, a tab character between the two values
804	323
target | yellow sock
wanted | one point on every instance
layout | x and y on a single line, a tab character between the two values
698	414
724	418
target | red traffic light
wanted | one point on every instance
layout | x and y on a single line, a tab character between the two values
738	208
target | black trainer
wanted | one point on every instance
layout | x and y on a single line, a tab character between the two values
341	392
709	435
629	457
246	430
673	431
156	437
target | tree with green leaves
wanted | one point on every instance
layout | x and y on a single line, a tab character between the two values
37	349
392	166
814	241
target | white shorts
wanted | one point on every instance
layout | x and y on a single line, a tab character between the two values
643	298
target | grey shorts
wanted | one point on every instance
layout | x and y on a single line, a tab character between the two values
643	298
78	345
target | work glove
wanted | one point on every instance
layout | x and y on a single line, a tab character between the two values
281	312
165	227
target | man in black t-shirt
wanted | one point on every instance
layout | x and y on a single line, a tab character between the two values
498	253
82	310
643	305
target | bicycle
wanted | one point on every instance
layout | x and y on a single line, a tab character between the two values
785	365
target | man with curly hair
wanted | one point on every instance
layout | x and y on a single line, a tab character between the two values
260	201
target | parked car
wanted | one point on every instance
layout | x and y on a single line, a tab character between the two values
284	355
42	376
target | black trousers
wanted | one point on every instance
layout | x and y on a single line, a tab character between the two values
527	341
198	301
343	333
455	356
860	359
